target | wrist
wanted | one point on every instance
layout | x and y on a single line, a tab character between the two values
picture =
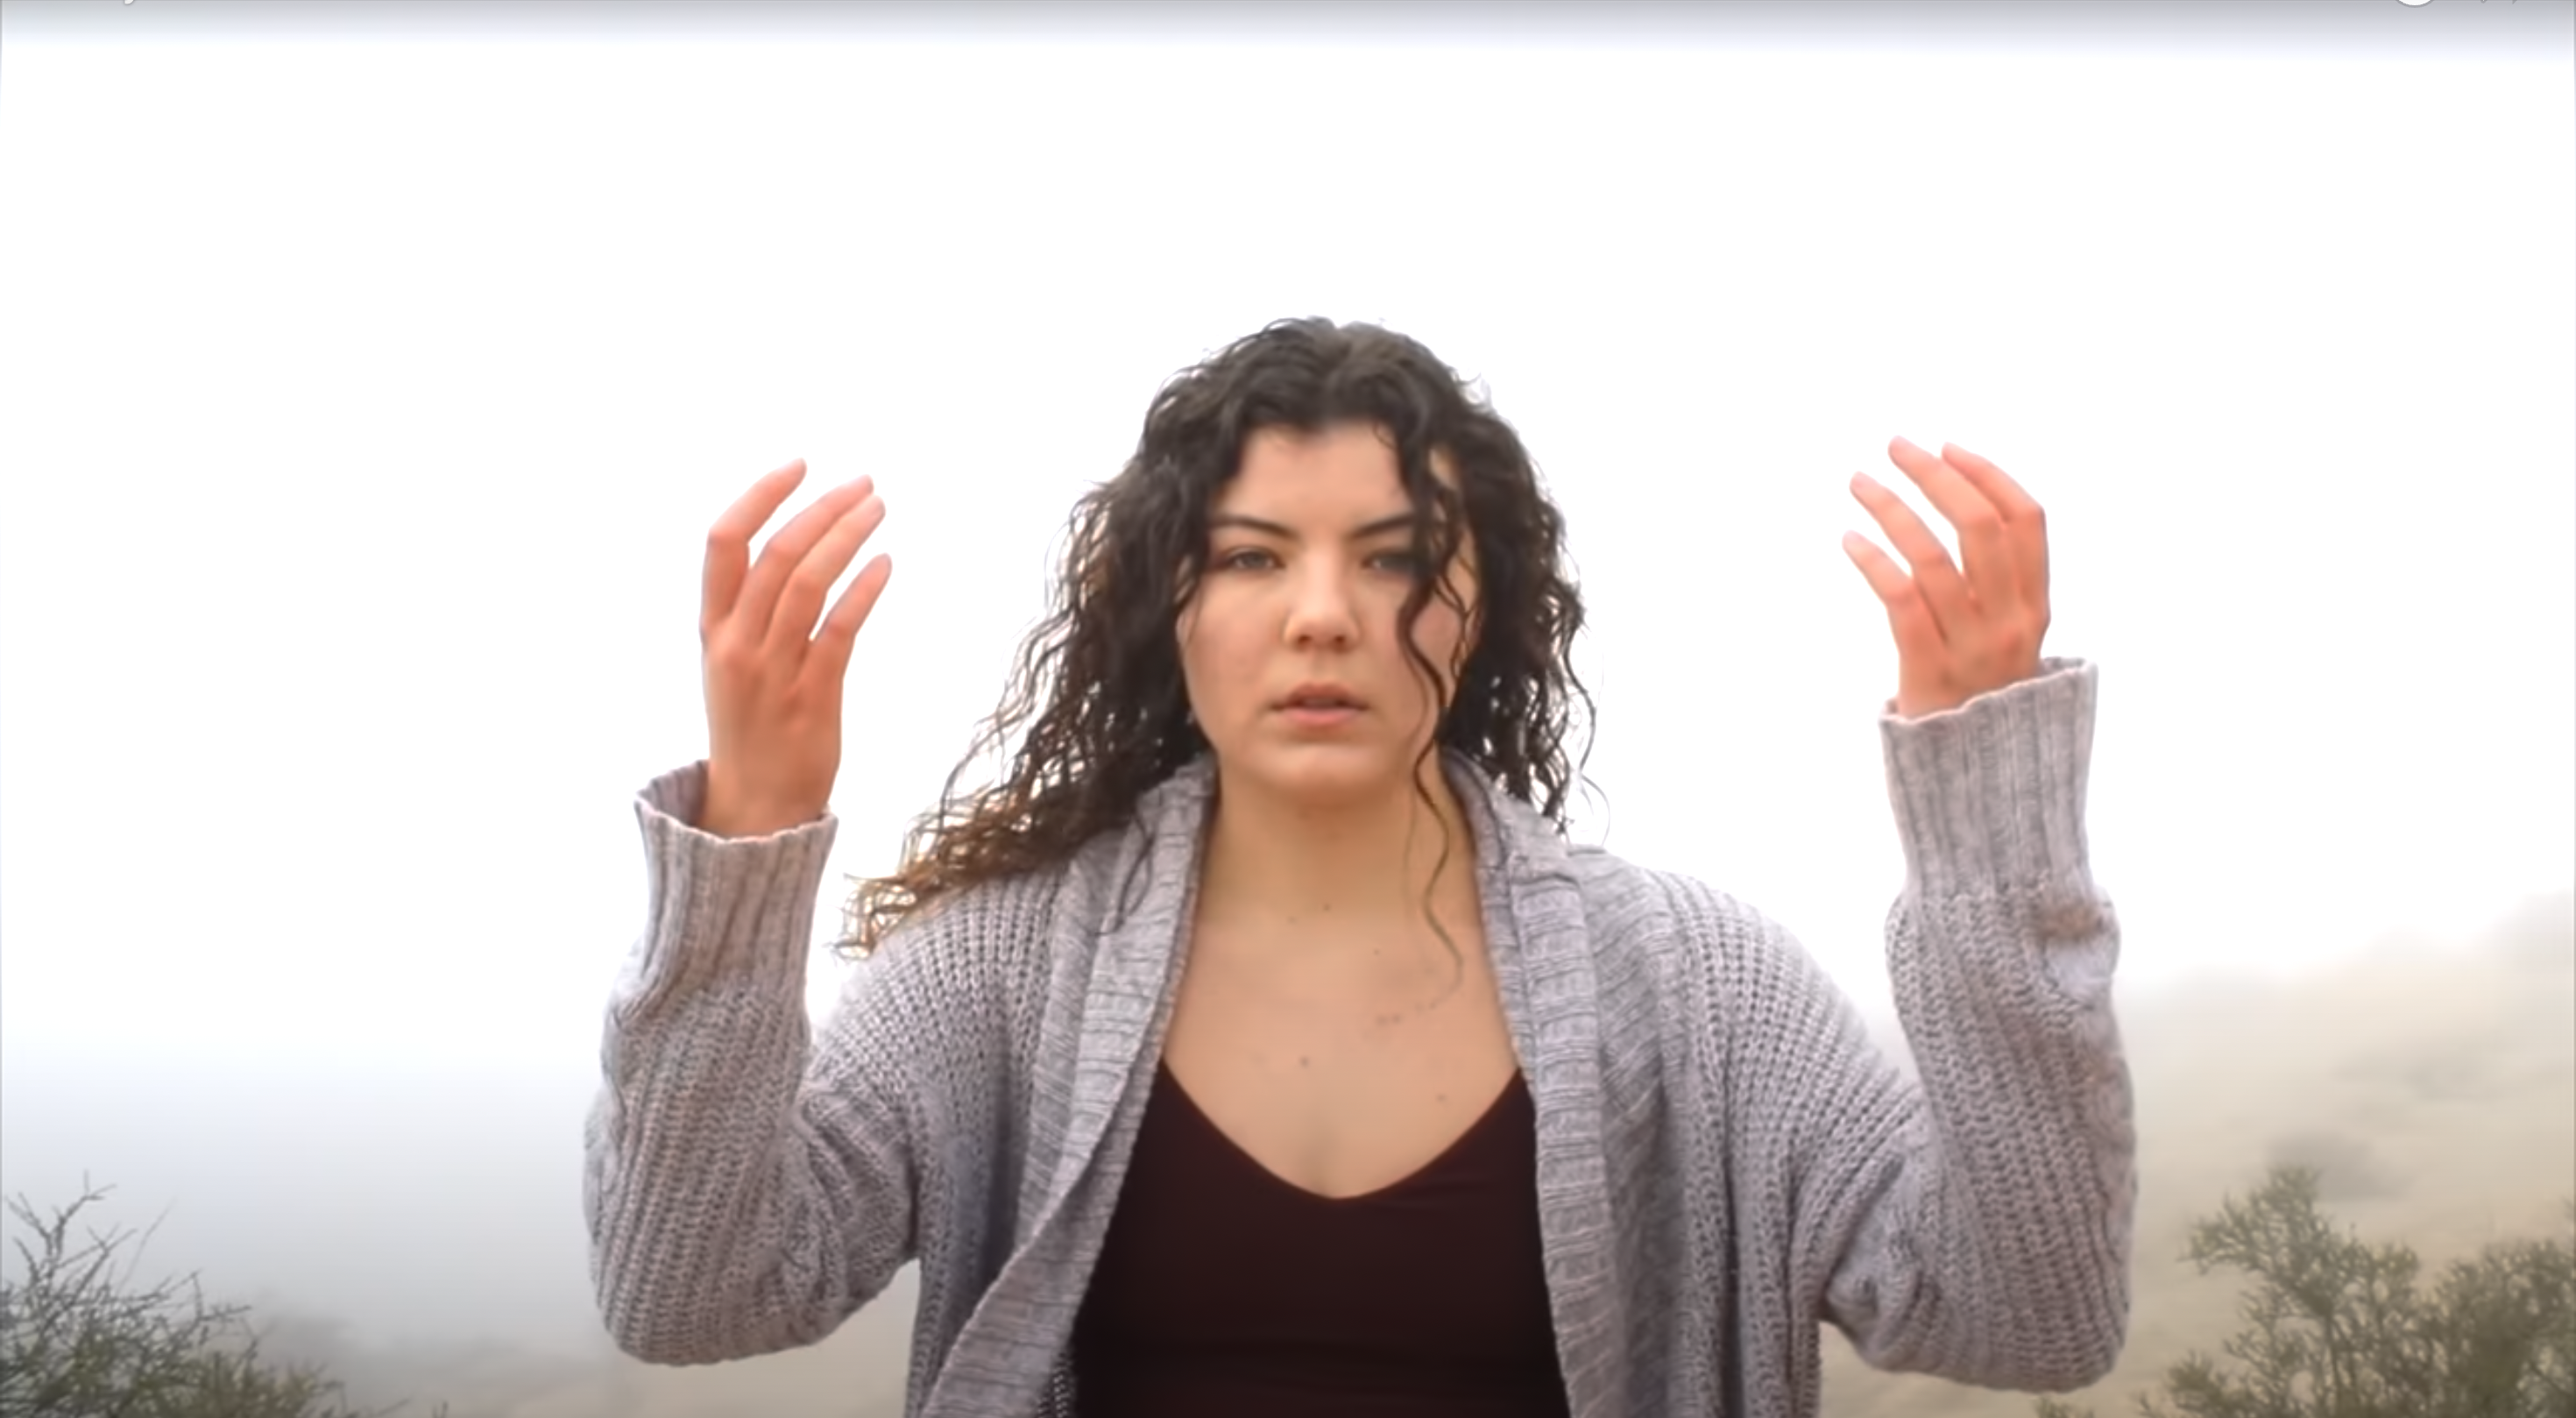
733	826
726	812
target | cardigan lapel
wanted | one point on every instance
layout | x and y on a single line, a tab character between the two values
1119	938
1544	968
1151	894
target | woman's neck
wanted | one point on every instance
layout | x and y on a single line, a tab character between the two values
1275	862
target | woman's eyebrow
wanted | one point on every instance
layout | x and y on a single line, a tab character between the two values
1400	521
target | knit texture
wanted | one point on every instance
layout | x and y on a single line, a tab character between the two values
1726	1160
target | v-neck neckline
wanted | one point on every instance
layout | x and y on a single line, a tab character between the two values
1167	1084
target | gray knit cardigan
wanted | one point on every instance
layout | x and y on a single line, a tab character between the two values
1726	1160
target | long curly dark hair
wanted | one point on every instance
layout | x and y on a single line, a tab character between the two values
1097	683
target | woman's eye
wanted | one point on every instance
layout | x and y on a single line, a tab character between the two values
1400	563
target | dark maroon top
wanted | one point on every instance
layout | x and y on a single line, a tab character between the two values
1223	1289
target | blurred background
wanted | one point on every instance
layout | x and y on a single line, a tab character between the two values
370	372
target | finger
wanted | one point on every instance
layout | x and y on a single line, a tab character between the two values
1917	631
802	600
829	660
729	542
2026	525
786	550
1943	590
1991	571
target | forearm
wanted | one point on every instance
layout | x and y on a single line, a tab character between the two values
1994	1244
733	1209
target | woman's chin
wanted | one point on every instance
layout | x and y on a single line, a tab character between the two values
1326	775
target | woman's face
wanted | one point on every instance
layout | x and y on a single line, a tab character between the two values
1290	647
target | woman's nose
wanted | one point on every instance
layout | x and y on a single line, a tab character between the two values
1321	612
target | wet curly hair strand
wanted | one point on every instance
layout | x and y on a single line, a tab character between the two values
1095	697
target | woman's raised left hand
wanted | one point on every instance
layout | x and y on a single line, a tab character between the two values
1959	633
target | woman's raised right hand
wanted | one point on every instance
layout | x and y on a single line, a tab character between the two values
773	680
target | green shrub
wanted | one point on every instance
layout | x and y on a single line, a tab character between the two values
2339	1328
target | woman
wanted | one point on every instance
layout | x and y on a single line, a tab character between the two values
1259	1045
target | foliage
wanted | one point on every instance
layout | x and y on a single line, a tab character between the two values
78	1338
2336	1327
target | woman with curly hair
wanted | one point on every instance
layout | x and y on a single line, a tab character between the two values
1258	1044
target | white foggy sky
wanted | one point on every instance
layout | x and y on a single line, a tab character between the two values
363	405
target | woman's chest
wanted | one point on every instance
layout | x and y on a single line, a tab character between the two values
1337	1079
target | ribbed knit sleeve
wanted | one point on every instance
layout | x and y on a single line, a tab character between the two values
745	1193
1976	1224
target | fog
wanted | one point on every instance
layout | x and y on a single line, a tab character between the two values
369	374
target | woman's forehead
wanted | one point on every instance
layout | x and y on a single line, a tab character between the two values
1334	474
